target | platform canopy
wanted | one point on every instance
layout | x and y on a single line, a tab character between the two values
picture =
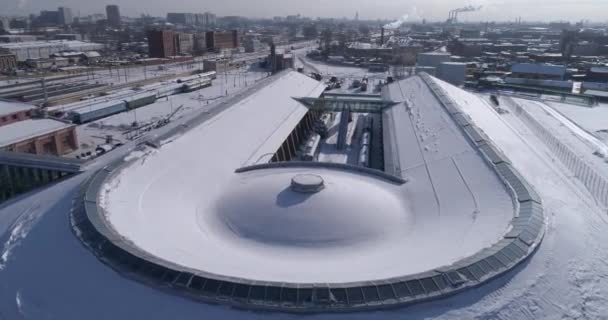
338	102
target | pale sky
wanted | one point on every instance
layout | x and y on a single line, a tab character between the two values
499	10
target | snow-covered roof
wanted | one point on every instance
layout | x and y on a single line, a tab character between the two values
68	44
599	69
8	107
92	54
597	93
27	129
254	218
362	45
435	53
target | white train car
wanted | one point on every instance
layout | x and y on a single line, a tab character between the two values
169	90
194	85
364	156
206	75
310	150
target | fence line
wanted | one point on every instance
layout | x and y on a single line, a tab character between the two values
593	181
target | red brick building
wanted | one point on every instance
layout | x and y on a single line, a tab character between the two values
19	132
161	43
11	112
39	136
222	40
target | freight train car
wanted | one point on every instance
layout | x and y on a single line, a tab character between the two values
140	100
98	111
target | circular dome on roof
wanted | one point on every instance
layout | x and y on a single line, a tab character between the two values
283	208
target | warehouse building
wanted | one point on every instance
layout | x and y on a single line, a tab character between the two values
8	61
39	136
183	43
432	59
538	71
9	38
222	40
44	49
161	43
453	72
11	112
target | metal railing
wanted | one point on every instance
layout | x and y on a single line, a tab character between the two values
591	179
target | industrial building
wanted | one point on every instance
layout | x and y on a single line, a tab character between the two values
20	131
181	18
453	72
252	43
11	112
8	38
8	61
44	49
65	16
39	136
47	18
183	43
217	65
251	202
200	44
538	71
432	59
161	43
206	19
218	40
113	15
280	60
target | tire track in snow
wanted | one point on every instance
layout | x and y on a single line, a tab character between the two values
19	231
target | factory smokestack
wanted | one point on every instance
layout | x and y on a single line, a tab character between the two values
382	36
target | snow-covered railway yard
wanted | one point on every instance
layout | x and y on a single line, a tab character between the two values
46	273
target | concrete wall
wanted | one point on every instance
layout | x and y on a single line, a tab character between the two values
17	179
14	117
55	143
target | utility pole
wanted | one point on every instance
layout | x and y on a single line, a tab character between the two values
46	97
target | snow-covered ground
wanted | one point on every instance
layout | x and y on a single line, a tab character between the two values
227	84
47	274
342	72
594	120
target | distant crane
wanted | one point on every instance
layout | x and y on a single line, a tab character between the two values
453	16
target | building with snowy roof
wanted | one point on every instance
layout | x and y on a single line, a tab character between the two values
224	212
44	49
538	71
13	111
39	136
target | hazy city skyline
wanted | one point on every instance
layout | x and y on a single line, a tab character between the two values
499	10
